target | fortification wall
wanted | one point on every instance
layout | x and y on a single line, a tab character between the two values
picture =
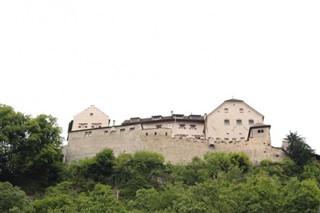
176	150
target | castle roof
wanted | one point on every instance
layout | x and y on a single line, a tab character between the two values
239	101
160	118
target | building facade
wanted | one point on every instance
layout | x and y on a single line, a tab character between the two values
231	121
234	126
90	118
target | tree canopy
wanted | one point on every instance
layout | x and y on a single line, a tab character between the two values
298	150
30	149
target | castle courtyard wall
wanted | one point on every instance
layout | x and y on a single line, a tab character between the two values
84	144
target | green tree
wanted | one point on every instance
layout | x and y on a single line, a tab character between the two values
13	199
260	193
143	169
30	149
298	150
301	196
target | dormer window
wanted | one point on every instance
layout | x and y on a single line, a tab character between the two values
156	117
178	116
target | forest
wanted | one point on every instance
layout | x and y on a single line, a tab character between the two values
34	178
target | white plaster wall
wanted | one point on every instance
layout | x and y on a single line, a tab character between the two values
215	126
97	116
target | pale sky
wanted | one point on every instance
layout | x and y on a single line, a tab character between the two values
142	58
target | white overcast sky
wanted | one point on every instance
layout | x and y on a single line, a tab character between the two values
142	58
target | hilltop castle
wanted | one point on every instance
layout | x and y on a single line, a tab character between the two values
234	126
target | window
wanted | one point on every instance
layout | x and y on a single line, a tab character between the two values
122	130
239	122
96	125
155	133
226	110
131	129
158	126
260	131
106	132
251	122
91	113
182	126
88	134
227	122
241	110
192	126
82	125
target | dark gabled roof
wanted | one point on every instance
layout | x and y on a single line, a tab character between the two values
259	125
233	100
173	118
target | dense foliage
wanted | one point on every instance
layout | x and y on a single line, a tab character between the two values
30	149
30	155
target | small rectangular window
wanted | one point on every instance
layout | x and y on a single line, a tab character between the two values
82	125
239	122
158	126
131	129
182	126
193	127
88	134
227	122
91	113
122	130
260	131
241	110
251	122
226	110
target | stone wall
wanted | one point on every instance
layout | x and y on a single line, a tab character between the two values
87	143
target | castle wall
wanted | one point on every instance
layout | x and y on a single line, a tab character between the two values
175	149
160	140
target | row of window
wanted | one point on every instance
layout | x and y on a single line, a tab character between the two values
183	126
226	110
238	122
85	125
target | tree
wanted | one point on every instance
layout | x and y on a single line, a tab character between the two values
13	199
301	196
64	198
298	150
30	149
143	169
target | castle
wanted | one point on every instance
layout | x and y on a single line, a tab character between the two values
234	126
